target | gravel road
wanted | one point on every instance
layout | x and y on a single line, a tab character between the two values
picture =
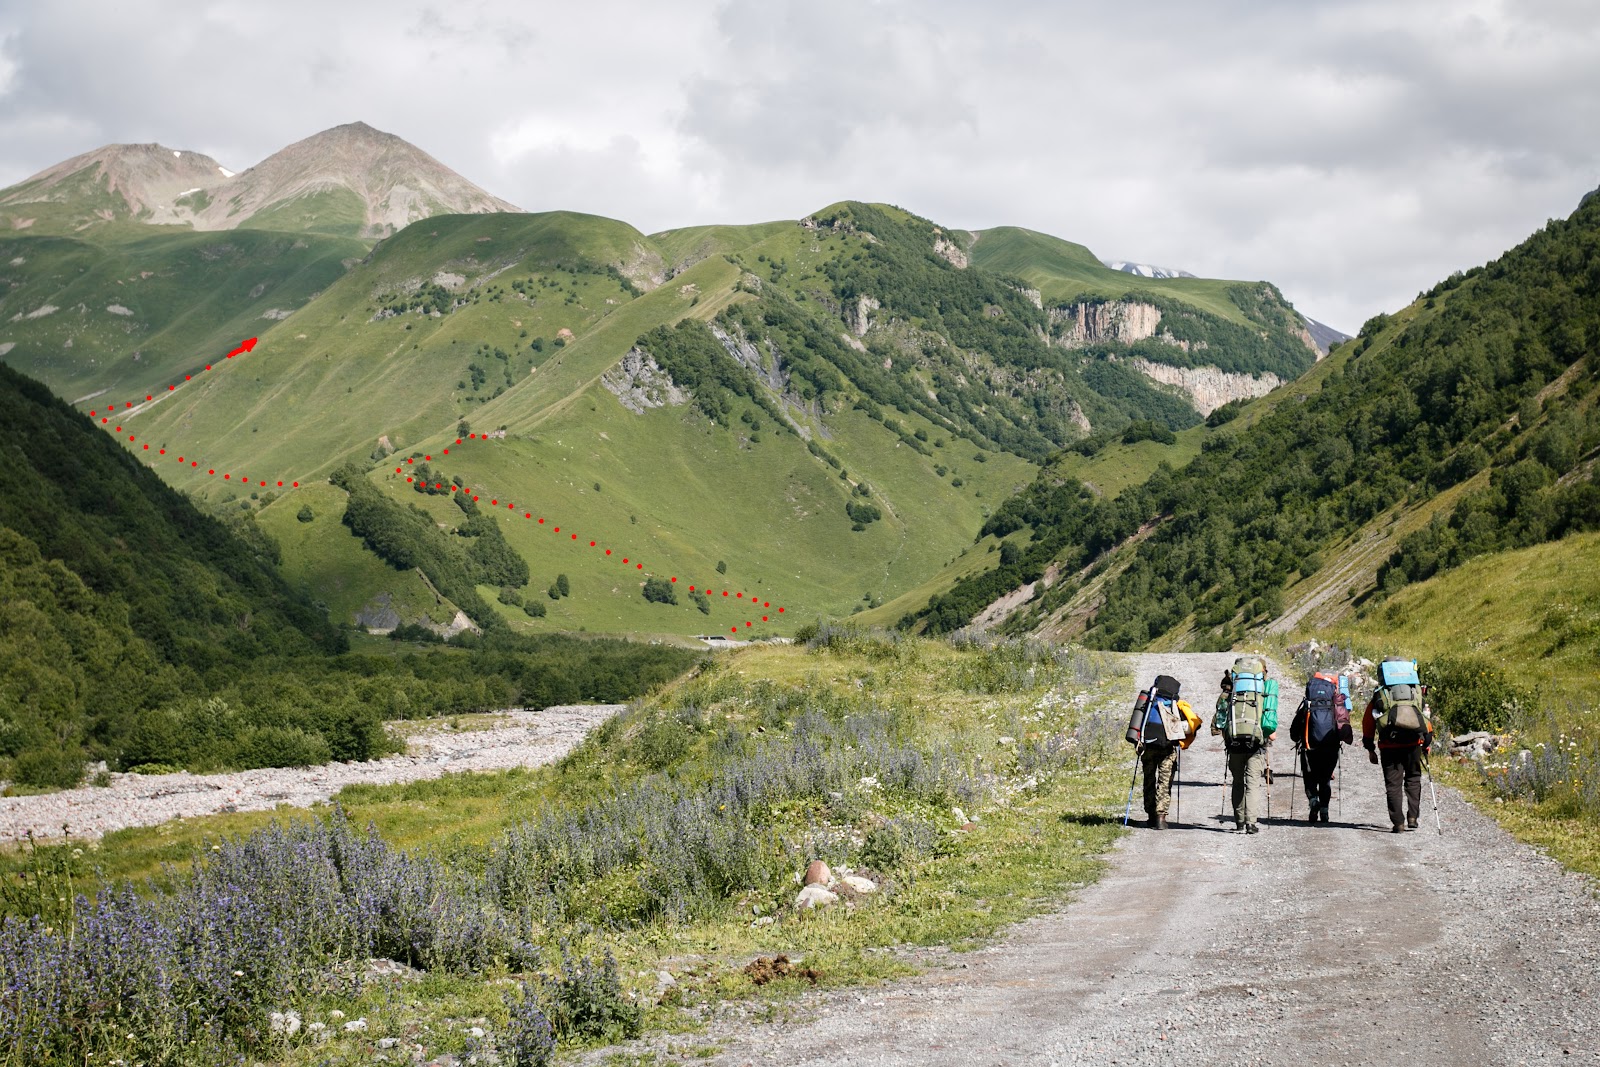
525	739
1342	944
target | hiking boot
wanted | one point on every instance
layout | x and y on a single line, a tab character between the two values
1324	815
1161	822
1397	828
1239	828
1411	824
1251	828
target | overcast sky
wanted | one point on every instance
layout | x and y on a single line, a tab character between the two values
1351	152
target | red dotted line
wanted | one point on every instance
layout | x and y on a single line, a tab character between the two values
495	502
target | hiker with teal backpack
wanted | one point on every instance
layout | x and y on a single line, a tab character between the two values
1247	717
1396	731
1321	725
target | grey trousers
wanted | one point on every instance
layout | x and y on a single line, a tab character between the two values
1249	794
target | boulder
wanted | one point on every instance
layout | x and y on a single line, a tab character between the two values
859	884
817	873
814	896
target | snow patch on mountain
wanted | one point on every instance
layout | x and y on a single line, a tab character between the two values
1145	270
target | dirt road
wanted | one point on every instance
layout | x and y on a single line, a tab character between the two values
1300	945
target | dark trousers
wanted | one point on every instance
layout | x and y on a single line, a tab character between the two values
1402	780
1317	766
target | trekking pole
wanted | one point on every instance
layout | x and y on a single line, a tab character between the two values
1222	809
1338	770
1266	773
1438	824
1177	780
1127	812
1292	791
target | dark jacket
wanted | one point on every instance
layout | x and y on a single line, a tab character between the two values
1298	728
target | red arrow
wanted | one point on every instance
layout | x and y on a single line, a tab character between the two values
247	346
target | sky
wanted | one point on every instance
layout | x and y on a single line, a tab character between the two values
1353	152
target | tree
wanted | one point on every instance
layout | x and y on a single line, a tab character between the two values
304	514
722	568
658	590
562	586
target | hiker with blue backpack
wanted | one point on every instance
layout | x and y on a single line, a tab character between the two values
1320	728
1161	727
1397	730
1247	718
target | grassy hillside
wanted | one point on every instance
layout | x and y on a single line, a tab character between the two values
133	311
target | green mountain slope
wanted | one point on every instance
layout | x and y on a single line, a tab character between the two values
132	312
1465	425
850	370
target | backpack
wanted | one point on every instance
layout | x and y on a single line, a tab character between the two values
1252	696
1401	716
1156	718
1324	705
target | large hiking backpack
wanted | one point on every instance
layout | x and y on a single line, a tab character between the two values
1155	718
1326	713
1401	715
1252	696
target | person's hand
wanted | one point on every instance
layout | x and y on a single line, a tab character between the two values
1372	755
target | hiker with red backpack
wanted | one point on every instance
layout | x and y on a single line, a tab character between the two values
1247	718
1397	730
1321	725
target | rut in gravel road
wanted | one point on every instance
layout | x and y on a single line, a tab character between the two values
1302	944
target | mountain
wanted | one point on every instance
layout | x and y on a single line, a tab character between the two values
822	409
1464	426
1324	336
351	181
145	182
1145	270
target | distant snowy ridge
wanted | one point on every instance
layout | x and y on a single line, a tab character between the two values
1145	270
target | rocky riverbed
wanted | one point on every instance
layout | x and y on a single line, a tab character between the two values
522	739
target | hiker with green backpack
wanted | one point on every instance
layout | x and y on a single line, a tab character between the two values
1397	730
1247	717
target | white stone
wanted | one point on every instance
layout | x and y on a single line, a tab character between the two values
860	884
814	896
284	1022
356	1026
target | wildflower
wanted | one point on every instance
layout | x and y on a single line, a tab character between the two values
238	974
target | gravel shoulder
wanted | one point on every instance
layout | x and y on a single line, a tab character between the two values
1302	944
524	739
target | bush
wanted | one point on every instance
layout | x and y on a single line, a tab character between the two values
535	609
283	746
701	601
530	1040
411	631
511	596
659	590
48	768
722	568
1473	693
586	1000
305	514
562	586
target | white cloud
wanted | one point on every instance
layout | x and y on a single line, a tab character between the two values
1353	151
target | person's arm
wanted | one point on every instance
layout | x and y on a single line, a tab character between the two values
1297	727
1369	729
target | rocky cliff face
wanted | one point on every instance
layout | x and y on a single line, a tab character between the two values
1114	321
640	383
860	320
1208	387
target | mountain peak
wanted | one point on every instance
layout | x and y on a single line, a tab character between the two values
352	179
114	181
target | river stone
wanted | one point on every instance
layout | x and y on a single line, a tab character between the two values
817	873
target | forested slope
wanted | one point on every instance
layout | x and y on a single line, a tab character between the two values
1486	387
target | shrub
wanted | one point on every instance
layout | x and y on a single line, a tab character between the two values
586	1000
562	586
283	746
701	601
535	609
659	590
1473	693
305	514
48	768
722	568
530	1040
511	596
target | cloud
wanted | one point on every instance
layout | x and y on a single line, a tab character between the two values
1353	151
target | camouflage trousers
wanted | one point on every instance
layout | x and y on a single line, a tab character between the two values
1159	763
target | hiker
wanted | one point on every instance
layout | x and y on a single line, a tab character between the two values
1321	725
1247	719
1396	731
1161	727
